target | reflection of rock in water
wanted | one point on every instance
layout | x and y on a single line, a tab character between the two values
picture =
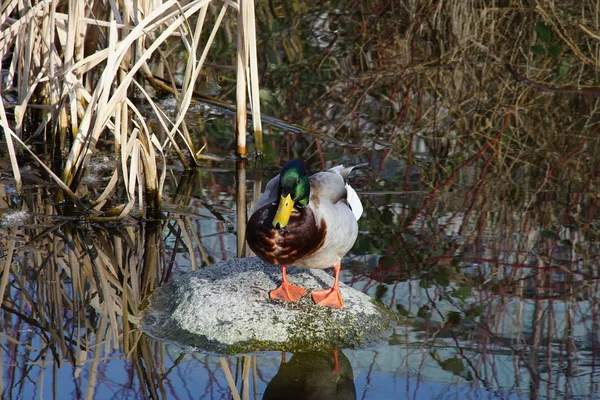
312	376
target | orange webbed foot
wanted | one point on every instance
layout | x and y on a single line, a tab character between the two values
287	292
328	298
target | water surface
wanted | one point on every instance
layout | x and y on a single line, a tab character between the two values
479	230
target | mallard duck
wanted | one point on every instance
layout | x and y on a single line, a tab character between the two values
306	222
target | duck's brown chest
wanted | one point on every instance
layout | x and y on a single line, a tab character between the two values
302	236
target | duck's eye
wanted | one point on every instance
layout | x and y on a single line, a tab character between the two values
298	181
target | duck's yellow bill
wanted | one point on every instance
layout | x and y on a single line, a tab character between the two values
282	216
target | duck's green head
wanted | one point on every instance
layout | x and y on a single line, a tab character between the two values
294	189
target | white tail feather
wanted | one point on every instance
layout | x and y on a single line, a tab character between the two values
351	196
354	201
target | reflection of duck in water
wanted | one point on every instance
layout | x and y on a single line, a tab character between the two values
313	376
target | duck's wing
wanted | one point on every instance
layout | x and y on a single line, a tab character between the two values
270	193
332	185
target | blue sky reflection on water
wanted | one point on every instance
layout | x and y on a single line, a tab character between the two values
200	376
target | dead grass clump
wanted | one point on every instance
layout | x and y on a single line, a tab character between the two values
69	70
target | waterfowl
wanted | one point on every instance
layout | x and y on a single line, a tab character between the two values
307	222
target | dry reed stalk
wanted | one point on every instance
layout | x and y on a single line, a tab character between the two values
57	180
163	120
146	367
100	103
250	27
194	69
96	360
240	94
64	68
241	214
255	375
185	229
247	78
132	294
8	259
73	52
8	134
227	372
183	196
246	367
152	183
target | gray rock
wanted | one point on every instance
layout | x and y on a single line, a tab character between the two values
225	308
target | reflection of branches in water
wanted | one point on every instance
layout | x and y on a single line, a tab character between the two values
506	264
73	293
